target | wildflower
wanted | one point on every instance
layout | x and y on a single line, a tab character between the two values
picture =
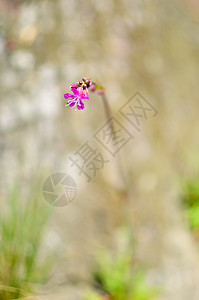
81	90
76	99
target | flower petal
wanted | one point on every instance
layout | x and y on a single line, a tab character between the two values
85	92
72	104
80	90
84	97
80	105
75	91
67	95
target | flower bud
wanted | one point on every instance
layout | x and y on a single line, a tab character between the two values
92	87
86	80
74	85
100	92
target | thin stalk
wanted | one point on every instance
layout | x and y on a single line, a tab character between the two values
108	114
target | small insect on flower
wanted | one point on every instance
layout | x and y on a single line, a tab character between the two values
76	99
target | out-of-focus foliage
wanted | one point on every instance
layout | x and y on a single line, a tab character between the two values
191	202
93	296
118	279
22	223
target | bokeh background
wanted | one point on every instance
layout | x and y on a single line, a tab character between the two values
147	46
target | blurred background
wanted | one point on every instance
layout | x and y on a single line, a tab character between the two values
149	211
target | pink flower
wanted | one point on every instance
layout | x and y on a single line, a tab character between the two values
92	87
76	99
